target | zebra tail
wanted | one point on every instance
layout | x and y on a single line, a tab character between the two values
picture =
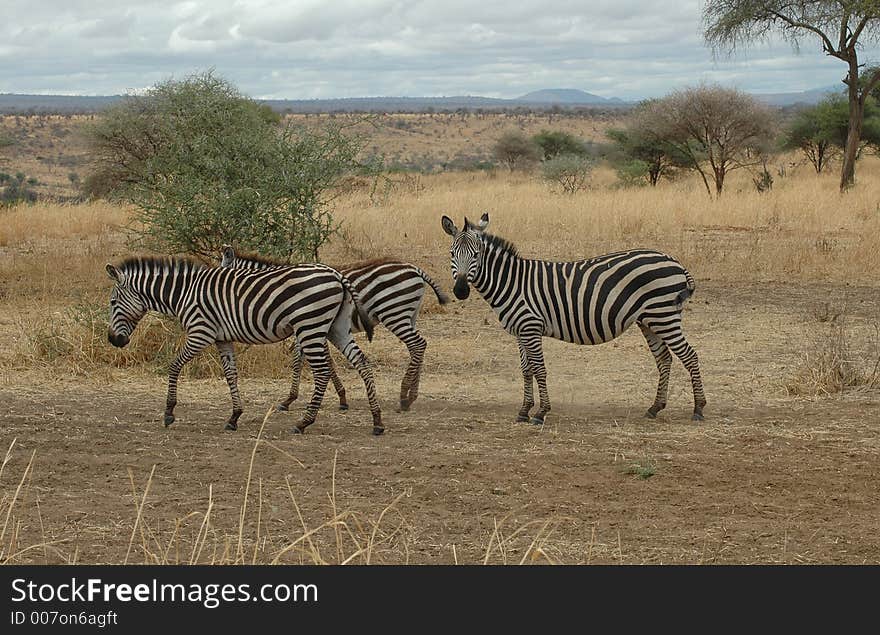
361	315
442	298
684	295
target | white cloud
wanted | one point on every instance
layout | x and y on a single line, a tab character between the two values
345	48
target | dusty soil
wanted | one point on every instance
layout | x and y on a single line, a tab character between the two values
767	478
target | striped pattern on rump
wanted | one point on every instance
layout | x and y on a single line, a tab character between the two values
391	293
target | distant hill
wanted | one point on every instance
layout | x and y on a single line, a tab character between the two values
34	104
567	98
24	104
806	98
564	96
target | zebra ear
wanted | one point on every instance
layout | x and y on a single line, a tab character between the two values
228	256
484	222
114	273
449	226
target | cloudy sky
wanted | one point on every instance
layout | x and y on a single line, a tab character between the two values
302	49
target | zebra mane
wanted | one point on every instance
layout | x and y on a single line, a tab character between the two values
363	264
160	263
502	244
259	259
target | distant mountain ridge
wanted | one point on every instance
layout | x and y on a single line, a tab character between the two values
571	98
565	96
806	97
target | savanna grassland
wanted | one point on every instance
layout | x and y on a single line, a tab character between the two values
785	318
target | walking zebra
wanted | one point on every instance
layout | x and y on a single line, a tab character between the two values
390	292
219	306
584	302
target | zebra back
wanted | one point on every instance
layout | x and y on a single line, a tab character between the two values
253	262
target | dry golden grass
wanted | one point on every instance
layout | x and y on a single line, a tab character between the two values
54	289
833	361
804	229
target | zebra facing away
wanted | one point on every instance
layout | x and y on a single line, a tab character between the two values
585	302
312	303
390	292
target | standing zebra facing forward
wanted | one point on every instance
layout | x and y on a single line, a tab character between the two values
584	302
218	306
390	292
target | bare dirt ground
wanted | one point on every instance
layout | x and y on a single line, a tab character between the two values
768	478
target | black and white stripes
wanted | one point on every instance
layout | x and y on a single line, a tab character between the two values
312	303
391	293
585	302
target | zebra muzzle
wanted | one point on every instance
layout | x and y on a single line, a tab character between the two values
119	341
461	289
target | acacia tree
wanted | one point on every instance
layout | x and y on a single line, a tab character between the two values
639	153
713	130
841	27
204	166
516	150
820	132
807	134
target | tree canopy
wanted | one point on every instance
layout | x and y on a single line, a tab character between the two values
841	27
205	165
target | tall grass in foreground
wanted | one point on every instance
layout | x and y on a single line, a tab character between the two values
205	536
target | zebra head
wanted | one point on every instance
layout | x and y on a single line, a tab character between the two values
466	253
227	258
126	309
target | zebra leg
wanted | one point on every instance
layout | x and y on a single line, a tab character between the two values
227	359
673	337
297	361
531	342
409	388
191	348
346	344
337	383
663	358
316	355
528	386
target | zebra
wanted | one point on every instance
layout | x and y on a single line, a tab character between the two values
584	302
390	292
311	302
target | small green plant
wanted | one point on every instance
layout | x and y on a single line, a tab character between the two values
644	470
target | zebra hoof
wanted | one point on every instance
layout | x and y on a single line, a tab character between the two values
282	407
698	416
537	421
650	414
522	418
378	430
169	419
231	426
298	430
404	405
343	407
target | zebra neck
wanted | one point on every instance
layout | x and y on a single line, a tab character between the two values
499	268
163	290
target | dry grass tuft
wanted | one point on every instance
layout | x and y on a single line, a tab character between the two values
830	364
16	546
343	537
